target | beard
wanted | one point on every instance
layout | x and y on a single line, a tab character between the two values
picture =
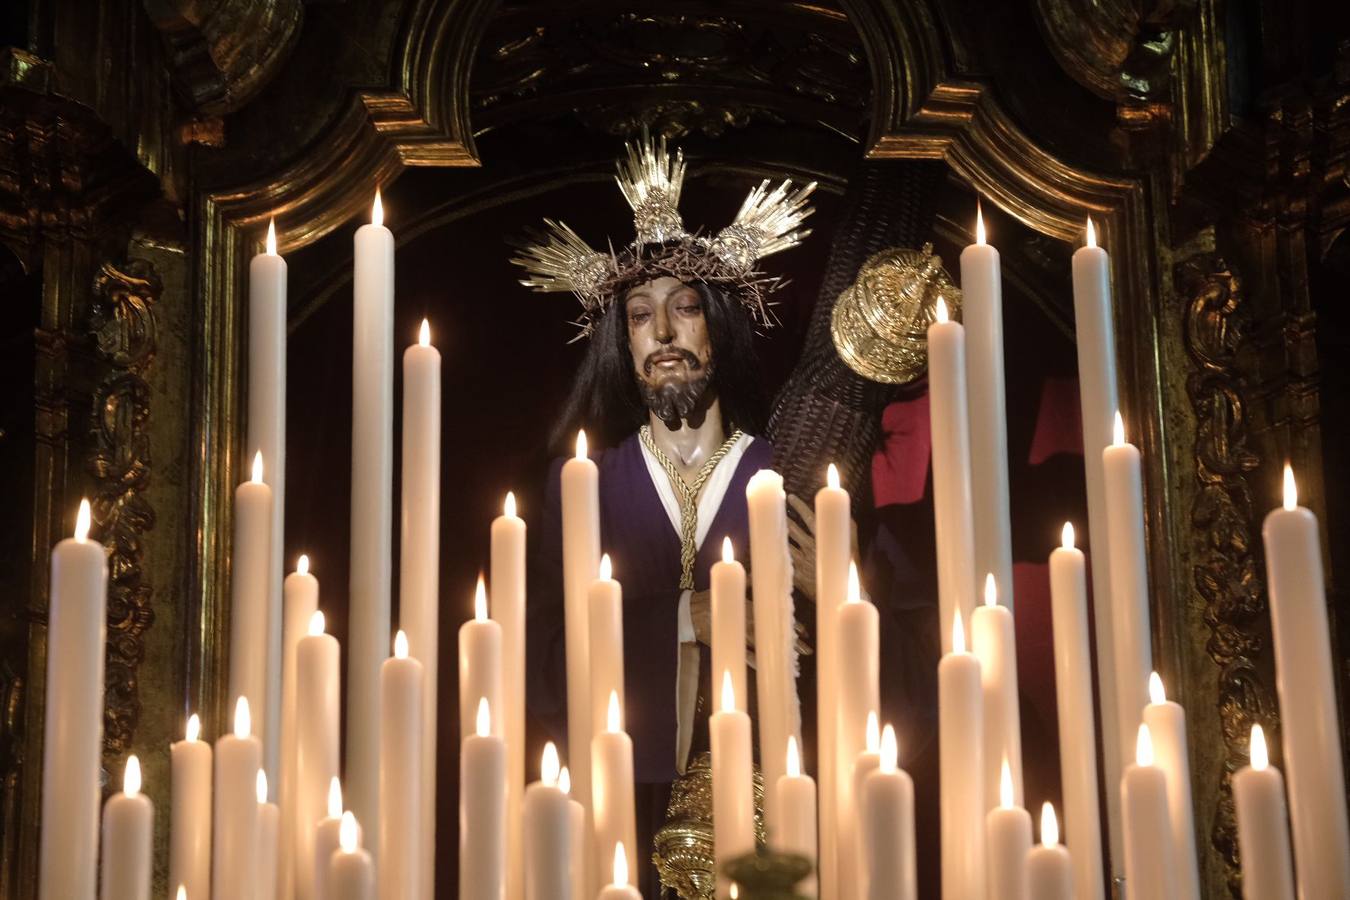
675	400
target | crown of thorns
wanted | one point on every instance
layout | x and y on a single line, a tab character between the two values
557	259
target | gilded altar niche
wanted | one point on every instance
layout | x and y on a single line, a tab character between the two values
140	161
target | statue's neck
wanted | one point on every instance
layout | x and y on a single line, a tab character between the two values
690	442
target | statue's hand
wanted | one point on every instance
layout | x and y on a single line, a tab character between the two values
700	613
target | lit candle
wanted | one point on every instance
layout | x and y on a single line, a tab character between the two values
604	606
327	840
797	800
482	810
351	872
267	435
612	781
548	835
853	866
250	580
1166	723
419	574
952	509
1008	841
733	802
1150	868
238	757
982	298
1263	829
480	664
190	811
995	645
372	518
728	618
1077	737
1098	401
620	889
857	679
269	826
581	560
578	871
961	779
1050	872
128	822
301	600
402	681
508	609
833	552
1312	743
317	675
887	809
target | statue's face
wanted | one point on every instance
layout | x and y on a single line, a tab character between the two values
671	349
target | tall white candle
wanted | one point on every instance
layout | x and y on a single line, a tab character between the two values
1166	723
128	825
482	811
864	764
857	680
508	609
982	300
581	560
887	815
961	777
480	664
578	869
250	573
1077	731
1007	841
190	811
1096	338
619	888
268	855
372	519
797	799
327	838
351	871
728	618
1263	827
402	683
267	435
733	801
1150	866
612	783
548	835
1312	743
317	674
833	551
1050	872
235	833
604	606
419	571
301	600
995	644
952	509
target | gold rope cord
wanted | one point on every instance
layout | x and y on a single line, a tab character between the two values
688	498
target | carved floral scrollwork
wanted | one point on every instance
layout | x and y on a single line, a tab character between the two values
1227	576
122	322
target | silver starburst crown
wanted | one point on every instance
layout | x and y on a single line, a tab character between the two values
650	178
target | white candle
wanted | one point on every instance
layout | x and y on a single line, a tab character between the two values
995	644
327	838
578	870
982	299
508	609
728	618
316	745
190	811
604	606
267	435
480	664
952	509
419	573
1150	868
128	823
887	815
268	856
1312	743
857	680
1263	828
733	801
372	519
581	560
250	580
72	750
301	600
612	782
620	889
797	800
1096	339
548	835
775	637
833	552
351	872
1050	871
235	832
961	779
1166	723
853	858
1007	841
1077	737
402	682
482	810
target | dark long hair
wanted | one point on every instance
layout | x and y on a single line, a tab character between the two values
604	398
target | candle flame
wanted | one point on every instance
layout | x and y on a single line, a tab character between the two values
1091	233
979	222
194	728
1143	747
565	781
82	521
581	444
832	476
548	765
1066	536
260	786
1049	825
302	564
272	237
334	798
735	891
1259	753
400	645
620	865
480	601
606	567
873	733
958	634
347	838
990	590
728	693
1118	431
257	475
613	721
424	334
940	310
243	725
794	758
316	622
854	587
1156	694
727	554
890	749
1290	488
1005	786
509	506
377	210
482	725
182	893
131	776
